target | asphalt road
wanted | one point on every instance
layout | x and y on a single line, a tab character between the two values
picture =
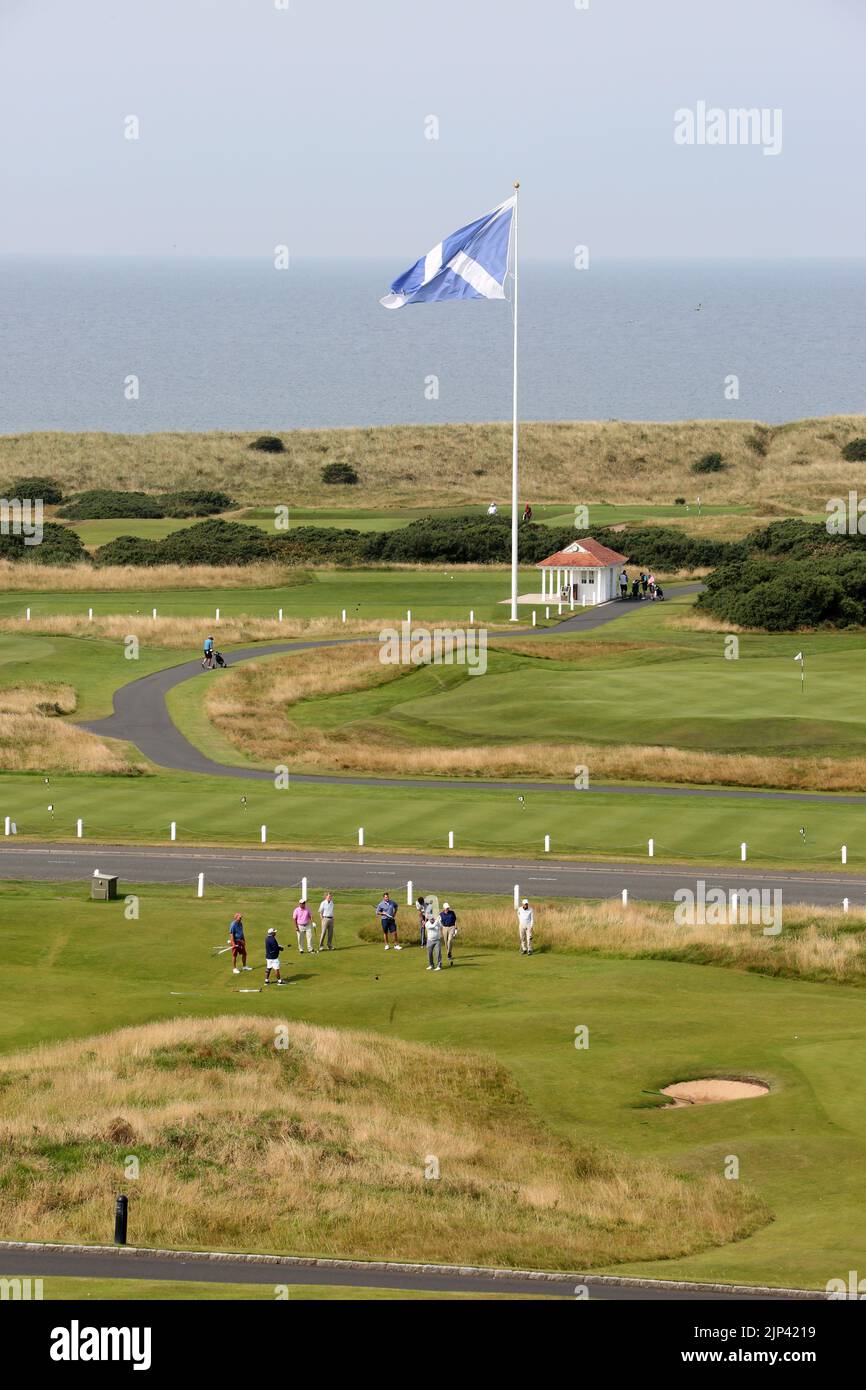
111	1265
450	873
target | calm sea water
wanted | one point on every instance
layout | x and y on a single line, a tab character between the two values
233	344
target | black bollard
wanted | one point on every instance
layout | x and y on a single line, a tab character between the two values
121	1213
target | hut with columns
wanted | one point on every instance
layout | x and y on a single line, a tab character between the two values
585	572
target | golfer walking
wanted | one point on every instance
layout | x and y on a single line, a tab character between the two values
303	920
386	911
525	922
237	941
326	919
448	918
272	956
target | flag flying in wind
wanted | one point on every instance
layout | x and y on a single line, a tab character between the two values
470	264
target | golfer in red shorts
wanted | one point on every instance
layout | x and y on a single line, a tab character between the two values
237	941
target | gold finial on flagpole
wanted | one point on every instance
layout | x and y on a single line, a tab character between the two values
517	183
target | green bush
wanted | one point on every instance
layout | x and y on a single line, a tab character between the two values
709	463
128	550
855	451
59	546
215	543
269	444
339	473
48	490
102	502
202	502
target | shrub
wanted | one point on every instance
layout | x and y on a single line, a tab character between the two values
339	473
269	444
215	543
59	546
855	451
103	502
128	550
202	502
709	463
679	501
47	489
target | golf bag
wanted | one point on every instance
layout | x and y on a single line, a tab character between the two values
219	659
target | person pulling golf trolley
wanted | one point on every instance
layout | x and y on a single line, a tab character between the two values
211	656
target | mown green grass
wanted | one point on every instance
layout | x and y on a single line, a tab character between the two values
209	811
75	967
441	594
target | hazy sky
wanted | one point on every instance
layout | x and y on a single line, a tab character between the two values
306	126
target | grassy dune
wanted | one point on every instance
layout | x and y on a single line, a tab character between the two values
34	739
251	1133
797	465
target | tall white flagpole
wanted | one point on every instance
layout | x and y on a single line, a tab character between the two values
514	488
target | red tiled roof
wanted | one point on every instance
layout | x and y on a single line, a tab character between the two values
592	556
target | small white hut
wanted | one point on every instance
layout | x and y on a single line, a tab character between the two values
585	571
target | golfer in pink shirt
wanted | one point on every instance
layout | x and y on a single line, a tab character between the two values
303	919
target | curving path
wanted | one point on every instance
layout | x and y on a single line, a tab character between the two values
141	717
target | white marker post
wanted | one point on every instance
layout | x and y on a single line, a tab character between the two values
154	613
844	904
517	895
534	617
7	829
409	887
450	839
79	828
90	615
27	615
360	834
172	830
547	613
264	834
200	892
844	854
304	889
625	897
743	851
217	615
344	615
279	615
547	844
408	615
471	614
651	848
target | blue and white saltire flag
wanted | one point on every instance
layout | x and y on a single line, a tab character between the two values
470	264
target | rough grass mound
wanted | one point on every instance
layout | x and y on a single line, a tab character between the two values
327	1146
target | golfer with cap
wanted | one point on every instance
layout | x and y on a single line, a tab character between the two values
525	922
448	918
303	919
386	911
272	956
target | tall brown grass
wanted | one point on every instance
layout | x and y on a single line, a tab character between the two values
176	633
322	1147
21	577
34	739
795	465
253	709
820	944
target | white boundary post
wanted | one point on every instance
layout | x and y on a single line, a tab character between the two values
517	895
200	892
844	854
264	834
651	848
79	829
304	888
450	839
360	834
743	851
625	897
172	830
547	844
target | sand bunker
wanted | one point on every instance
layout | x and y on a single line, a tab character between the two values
712	1090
